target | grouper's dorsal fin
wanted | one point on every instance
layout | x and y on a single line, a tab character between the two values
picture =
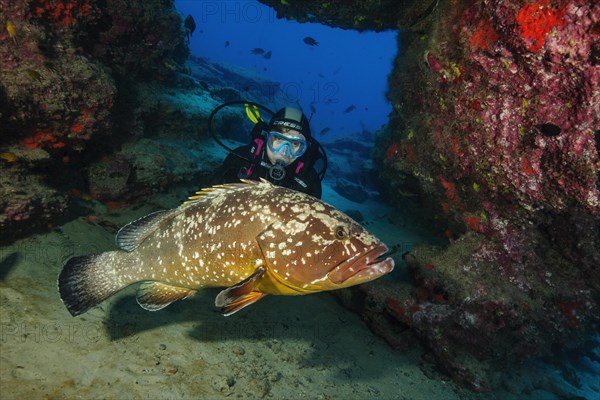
227	187
131	235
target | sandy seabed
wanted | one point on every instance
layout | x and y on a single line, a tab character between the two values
306	347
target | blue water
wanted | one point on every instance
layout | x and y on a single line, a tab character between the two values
346	69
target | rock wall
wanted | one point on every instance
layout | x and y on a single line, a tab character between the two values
97	102
498	120
376	15
496	129
64	69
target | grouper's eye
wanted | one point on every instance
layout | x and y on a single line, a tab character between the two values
341	232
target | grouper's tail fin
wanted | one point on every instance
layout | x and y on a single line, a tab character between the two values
86	281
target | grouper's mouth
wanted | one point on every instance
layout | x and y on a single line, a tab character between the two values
363	268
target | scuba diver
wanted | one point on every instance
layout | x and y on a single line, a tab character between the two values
282	152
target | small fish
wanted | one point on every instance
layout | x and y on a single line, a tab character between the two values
190	26
257	51
254	238
313	109
227	43
267	55
11	28
310	41
324	131
350	109
549	129
8	157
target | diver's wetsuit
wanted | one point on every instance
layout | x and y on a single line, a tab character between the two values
234	168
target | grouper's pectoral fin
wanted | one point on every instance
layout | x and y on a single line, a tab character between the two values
234	298
154	296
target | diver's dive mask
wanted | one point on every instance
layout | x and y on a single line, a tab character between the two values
286	146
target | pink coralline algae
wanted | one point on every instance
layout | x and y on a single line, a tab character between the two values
504	97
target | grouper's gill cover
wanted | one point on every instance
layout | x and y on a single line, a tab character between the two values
253	238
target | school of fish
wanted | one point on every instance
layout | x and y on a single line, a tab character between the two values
253	238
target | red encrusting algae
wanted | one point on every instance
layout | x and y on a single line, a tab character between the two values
474	223
77	127
62	13
484	36
537	20
409	152
392	151
570	309
451	191
526	166
39	138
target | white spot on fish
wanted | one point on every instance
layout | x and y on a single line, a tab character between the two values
268	234
318	206
320	279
